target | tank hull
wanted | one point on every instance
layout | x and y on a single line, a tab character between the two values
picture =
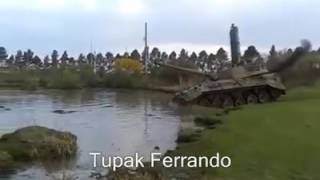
229	93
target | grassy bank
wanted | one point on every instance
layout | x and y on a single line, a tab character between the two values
271	141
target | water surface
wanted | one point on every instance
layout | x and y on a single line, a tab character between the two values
115	122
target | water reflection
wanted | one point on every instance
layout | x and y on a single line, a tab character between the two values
116	122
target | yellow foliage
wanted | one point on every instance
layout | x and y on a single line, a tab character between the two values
129	65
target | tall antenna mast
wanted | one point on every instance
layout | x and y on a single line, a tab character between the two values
146	48
235	45
91	46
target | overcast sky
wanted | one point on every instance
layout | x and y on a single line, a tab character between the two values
118	25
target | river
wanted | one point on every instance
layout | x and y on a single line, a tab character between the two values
115	122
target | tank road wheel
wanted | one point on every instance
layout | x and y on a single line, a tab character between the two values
239	100
252	99
216	101
179	100
264	96
204	101
275	94
227	102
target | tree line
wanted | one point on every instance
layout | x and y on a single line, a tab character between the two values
203	60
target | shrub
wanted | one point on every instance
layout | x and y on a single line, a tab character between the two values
129	65
24	79
31	83
65	78
187	136
38	143
6	160
122	79
207	121
87	76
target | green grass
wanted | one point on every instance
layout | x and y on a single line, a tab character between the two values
277	141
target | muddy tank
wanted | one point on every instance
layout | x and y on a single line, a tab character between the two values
238	85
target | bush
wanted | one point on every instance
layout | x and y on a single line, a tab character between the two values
31	83
130	66
127	74
64	78
6	160
24	79
88	77
122	79
207	121
187	136
37	143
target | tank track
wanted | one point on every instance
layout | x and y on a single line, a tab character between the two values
236	97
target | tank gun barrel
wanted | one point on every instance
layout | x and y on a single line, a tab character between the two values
188	70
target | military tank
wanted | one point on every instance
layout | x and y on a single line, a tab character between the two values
240	84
